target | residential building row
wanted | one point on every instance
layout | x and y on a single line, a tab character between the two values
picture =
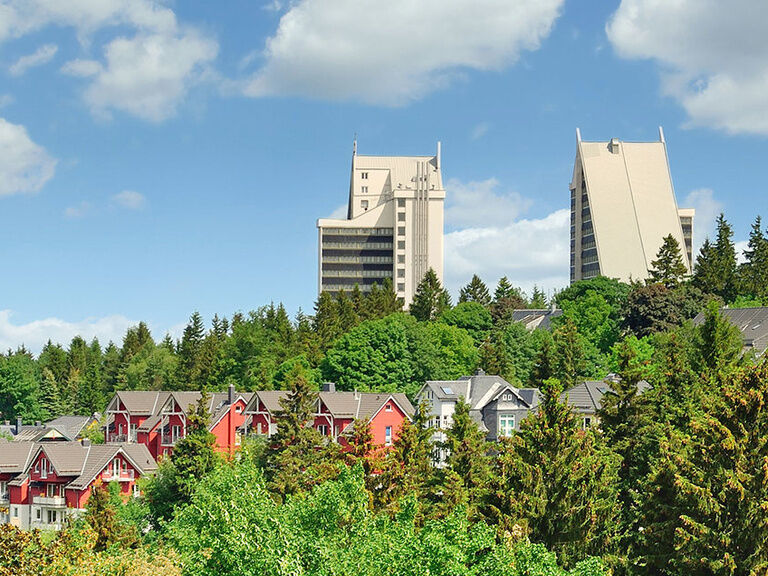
42	483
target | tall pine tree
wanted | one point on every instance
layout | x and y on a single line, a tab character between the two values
430	299
475	291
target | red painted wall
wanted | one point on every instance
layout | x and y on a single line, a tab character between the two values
225	429
383	419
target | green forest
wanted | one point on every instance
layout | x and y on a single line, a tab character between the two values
674	480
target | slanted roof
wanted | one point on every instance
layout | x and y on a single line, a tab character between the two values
15	456
67	458
536	319
100	455
587	397
270	399
751	322
43	434
141	402
72	426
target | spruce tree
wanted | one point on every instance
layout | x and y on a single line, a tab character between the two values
538	299
346	309
716	268
475	291
467	472
668	268
190	361
50	399
430	299
556	482
568	352
753	273
503	289
326	321
718	343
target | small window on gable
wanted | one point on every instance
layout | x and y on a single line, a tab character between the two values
239	409
388	407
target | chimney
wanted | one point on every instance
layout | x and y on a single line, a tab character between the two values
86	442
18	425
357	395
614	145
7	422
38	424
231	394
479	372
329	387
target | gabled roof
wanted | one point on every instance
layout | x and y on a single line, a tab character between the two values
100	455
141	402
751	322
269	398
43	433
72	426
587	397
478	390
362	405
15	456
536	319
67	458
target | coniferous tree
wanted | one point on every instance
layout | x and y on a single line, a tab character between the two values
467	472
753	273
668	268
298	457
191	374
475	291
506	299
544	367
346	310
718	343
504	289
430	299
494	358
716	268
326	321
556	482
50	399
538	299
568	354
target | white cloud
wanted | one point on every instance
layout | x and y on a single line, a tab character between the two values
481	204
392	53
147	71
129	199
24	165
5	100
147	75
41	56
35	334
529	252
77	211
480	130
707	209
339	212
740	247
714	56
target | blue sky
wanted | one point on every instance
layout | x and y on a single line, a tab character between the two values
161	158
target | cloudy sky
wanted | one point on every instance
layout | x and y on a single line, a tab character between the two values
158	158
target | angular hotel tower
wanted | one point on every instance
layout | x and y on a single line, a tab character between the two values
622	206
393	229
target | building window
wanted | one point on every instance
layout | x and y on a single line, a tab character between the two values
401	202
401	244
116	467
37	513
364	175
401	258
52	517
388	436
175	432
51	490
43	468
365	189
506	424
507	397
401	230
364	204
401	272
587	422
323	429
401	287
388	408
15	511
401	216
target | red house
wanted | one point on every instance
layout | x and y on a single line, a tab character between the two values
159	419
59	477
335	412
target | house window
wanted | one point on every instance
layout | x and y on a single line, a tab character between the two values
3	489
323	429
336	430
132	435
53	517
365	190
364	175
258	429
401	287
175	432
136	491
43	468
506	424
116	467
507	397
239	409
38	513
364	204
15	511
587	422
388	436
51	490
388	408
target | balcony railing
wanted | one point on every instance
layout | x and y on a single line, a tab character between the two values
122	437
169	439
45	525
122	476
52	501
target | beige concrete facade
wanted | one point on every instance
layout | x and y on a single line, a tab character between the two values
393	229
622	206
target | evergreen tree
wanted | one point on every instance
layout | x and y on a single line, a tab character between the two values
102	517
538	299
544	367
753	273
191	374
717	342
568	354
506	299
467	472
494	358
50	399
430	299
557	482
383	301
715	271
504	290
111	367
298	457
326	321
475	291
668	268
346	311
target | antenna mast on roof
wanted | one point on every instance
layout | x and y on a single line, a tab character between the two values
578	135
354	145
